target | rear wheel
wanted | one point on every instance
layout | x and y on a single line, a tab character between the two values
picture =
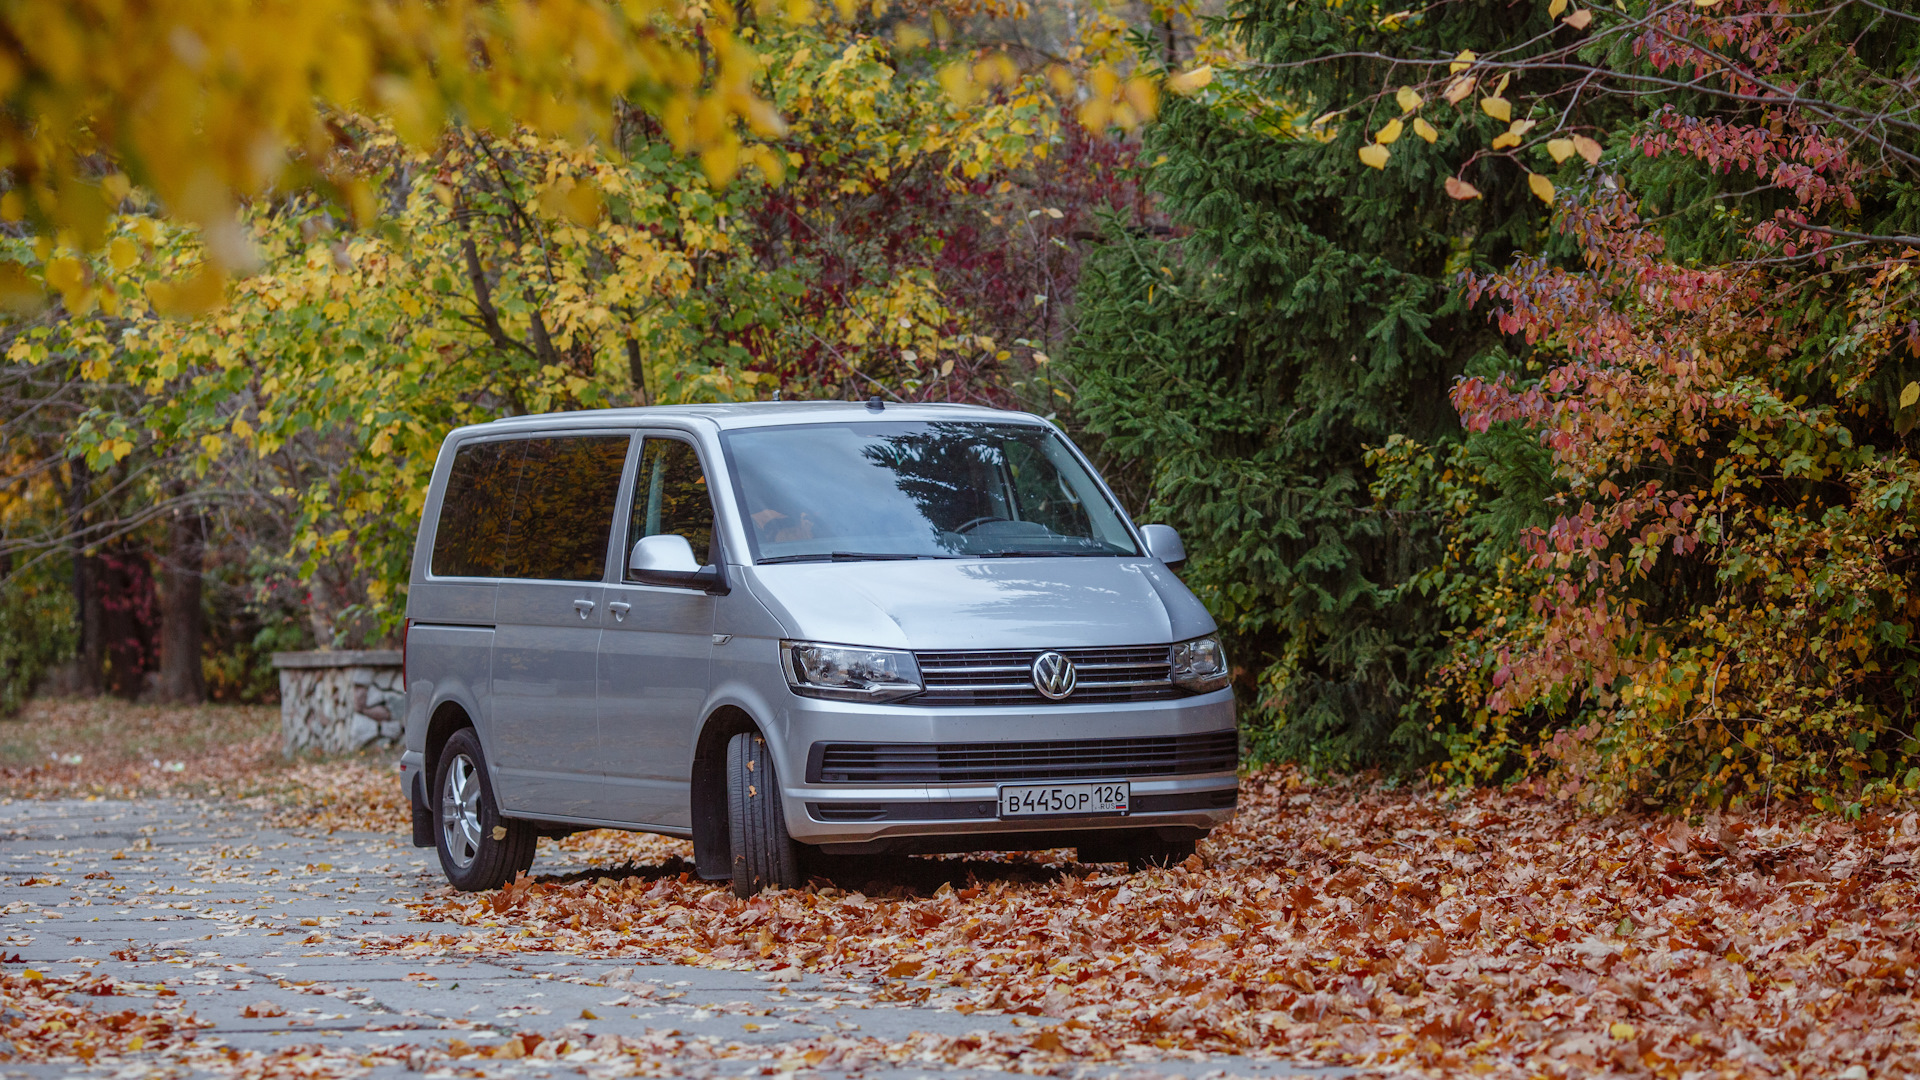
479	849
764	855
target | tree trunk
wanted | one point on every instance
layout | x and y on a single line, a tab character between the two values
637	371
182	619
92	658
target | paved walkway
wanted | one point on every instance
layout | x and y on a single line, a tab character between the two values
238	919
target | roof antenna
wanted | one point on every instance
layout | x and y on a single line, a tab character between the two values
875	403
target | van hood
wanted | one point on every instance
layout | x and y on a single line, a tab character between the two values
981	603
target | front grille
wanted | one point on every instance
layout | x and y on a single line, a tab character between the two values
1069	759
1142	673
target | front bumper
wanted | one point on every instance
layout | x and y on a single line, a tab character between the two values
936	816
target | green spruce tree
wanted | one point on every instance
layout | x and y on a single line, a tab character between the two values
1308	307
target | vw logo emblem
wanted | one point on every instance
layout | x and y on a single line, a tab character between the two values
1053	675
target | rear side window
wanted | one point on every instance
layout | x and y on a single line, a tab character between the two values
531	508
563	508
471	539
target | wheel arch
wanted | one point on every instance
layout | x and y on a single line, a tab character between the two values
448	717
712	847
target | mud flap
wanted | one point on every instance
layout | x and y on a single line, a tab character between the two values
422	815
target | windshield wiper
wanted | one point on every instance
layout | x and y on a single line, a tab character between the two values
849	556
1049	553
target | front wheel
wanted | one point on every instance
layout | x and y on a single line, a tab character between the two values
764	855
479	849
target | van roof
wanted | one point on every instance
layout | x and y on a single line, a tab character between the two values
764	414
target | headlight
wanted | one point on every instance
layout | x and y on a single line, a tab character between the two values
845	673
1200	665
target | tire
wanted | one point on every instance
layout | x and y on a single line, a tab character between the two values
479	849
764	855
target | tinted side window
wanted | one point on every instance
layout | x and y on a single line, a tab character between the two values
471	539
562	512
670	497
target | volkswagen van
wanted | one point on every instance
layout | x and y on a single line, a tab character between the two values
786	629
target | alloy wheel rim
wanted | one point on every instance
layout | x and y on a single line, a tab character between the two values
460	812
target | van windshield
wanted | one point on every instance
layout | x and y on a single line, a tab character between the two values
919	490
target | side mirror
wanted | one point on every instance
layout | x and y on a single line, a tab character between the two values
668	560
1164	544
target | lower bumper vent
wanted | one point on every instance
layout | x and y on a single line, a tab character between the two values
1067	759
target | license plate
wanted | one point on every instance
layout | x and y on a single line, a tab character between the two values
1047	800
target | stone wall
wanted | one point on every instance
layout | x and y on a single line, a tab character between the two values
335	702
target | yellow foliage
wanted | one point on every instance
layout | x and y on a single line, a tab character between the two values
1191	81
206	100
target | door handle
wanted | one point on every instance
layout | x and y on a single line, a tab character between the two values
584	607
619	610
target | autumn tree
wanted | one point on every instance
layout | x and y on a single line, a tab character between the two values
415	278
1720	387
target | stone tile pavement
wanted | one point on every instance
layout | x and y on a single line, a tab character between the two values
255	929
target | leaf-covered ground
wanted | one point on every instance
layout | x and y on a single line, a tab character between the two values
58	748
49	1019
1344	922
105	748
1347	923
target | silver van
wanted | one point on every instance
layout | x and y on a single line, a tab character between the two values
792	629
